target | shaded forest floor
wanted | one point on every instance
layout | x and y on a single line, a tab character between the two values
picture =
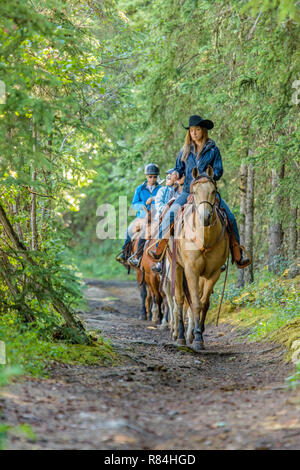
158	396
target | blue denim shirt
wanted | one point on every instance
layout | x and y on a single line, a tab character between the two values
163	196
210	155
140	197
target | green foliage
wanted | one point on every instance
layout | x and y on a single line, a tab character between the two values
268	308
215	59
32	349
55	63
6	374
294	380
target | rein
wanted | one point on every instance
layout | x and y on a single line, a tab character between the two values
204	249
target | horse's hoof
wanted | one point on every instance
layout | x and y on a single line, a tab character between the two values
181	341
143	317
198	346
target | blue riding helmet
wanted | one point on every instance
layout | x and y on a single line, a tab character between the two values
151	169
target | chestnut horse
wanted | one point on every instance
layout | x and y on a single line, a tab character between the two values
148	280
202	249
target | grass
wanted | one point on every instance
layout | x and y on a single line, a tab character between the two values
27	348
269	308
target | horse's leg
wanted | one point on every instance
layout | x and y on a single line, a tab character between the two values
179	297
159	301
143	291
190	331
207	290
167	290
148	304
165	320
152	308
196	307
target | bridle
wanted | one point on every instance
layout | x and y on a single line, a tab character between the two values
203	178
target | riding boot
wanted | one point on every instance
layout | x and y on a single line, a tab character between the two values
237	253
136	258
156	255
135	262
123	256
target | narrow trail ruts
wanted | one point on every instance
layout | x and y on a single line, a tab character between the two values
160	396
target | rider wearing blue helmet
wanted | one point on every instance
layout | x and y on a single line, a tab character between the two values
144	196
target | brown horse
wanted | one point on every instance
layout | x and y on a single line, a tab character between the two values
148	280
202	249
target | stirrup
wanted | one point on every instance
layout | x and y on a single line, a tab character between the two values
133	258
157	268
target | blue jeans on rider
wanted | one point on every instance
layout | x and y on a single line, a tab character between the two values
180	201
127	240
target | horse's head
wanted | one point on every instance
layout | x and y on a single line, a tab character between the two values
204	190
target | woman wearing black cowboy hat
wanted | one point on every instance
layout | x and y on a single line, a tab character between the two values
198	151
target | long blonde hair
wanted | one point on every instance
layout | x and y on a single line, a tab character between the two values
189	141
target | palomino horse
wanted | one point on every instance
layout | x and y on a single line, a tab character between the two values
202	249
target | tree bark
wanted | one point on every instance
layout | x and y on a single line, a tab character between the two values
5	273
44	284
249	222
275	227
33	222
243	197
293	233
18	225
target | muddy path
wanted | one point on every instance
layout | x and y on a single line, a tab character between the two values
159	396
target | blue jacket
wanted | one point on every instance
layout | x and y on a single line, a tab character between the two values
140	197
210	155
163	196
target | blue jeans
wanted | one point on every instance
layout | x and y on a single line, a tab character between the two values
180	201
127	240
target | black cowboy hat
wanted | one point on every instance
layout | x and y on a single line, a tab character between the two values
198	121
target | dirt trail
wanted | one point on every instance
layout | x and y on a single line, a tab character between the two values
160	396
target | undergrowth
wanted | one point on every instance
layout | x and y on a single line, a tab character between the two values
268	308
32	348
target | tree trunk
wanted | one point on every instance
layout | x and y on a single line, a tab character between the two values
5	273
33	223
293	234
243	197
275	227
249	222
43	284
18	225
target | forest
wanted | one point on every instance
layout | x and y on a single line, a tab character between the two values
93	90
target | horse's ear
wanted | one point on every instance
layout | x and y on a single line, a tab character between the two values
195	172
210	171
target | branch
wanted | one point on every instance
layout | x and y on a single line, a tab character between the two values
37	194
254	26
187	62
